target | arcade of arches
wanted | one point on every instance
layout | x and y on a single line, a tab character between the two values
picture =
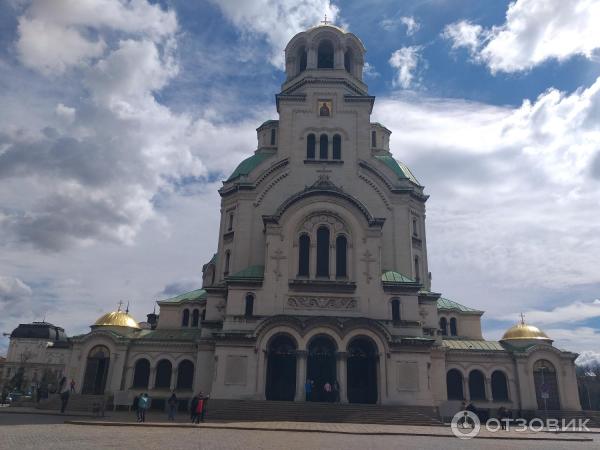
353	370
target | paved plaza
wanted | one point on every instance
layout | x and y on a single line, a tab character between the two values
34	431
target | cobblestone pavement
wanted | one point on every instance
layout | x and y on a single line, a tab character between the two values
26	431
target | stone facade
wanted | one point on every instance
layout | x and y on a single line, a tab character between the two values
321	273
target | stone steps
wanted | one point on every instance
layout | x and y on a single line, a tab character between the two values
77	402
256	410
594	416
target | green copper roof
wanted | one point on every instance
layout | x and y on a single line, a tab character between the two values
447	304
476	345
198	294
248	165
399	168
395	277
249	273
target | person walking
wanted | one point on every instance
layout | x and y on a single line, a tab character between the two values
172	406
134	406
308	389
72	385
194	407
327	390
64	391
143	405
200	408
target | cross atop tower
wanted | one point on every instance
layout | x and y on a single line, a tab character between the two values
522	319
120	305
325	21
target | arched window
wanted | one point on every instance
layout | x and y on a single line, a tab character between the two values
373	139
304	256
185	320
323	252
185	374
444	326
499	386
249	310
454	385
453	330
272	136
415	231
323	144
325	55
396	310
227	261
230	223
141	373
476	385
348	61
341	257
310	146
195	317
417	270
163	374
302	58
337	147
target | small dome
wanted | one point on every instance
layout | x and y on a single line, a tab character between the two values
117	319
523	331
39	330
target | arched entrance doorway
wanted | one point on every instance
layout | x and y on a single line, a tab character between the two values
281	369
321	366
546	385
362	371
96	370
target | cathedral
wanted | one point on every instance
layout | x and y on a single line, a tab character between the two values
321	275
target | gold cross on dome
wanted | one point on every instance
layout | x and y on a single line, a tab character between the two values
120	305
522	319
325	21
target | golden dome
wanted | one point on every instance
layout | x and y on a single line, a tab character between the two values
523	331
117	319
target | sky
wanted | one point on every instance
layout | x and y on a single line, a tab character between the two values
120	119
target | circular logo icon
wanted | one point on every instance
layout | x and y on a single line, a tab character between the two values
465	425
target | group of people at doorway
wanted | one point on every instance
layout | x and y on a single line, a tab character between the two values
197	407
326	392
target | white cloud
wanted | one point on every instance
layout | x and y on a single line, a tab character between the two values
54	36
412	26
514	197
534	31
65	112
369	71
583	340
588	357
405	61
277	22
464	34
573	312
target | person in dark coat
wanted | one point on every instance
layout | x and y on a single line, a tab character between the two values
65	391
172	406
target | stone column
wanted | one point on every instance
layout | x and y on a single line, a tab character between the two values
342	370
300	375
152	378
174	372
488	389
311	57
466	392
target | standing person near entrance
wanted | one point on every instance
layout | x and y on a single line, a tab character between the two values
308	389
72	385
327	388
172	406
143	405
64	390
